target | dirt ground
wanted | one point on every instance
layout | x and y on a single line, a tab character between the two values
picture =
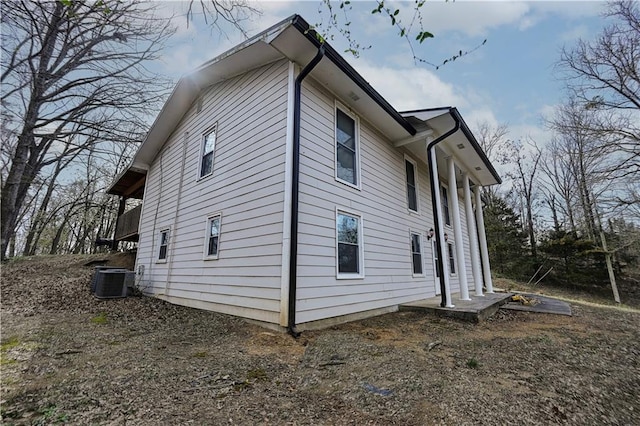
67	358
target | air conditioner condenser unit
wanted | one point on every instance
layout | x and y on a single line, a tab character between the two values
111	284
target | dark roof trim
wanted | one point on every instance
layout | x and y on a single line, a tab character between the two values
475	144
445	108
301	25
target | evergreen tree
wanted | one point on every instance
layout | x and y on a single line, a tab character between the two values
506	239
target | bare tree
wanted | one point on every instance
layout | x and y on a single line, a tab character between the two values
526	159
603	78
492	139
73	69
559	184
217	13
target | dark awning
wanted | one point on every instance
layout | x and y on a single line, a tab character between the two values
129	184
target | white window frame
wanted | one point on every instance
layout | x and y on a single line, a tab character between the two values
415	175
445	218
360	273
356	119
451	257
419	234
166	230
213	129
207	236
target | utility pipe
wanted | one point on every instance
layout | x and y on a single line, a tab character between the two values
435	203
293	258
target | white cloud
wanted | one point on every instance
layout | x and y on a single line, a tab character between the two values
410	88
472	17
571	35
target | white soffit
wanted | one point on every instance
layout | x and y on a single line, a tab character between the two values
300	50
458	145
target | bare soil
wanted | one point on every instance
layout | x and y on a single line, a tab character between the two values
68	358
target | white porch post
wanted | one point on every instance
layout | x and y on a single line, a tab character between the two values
440	230
484	251
457	230
473	236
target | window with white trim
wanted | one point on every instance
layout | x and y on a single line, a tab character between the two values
452	259
347	147
416	253
164	244
208	147
212	238
412	184
445	204
350	247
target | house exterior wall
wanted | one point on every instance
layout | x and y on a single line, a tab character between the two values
246	188
382	203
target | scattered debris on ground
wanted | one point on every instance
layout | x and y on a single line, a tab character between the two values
526	301
69	358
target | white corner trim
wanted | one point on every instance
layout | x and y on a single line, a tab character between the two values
286	217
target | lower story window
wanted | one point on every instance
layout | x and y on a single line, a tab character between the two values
212	240
164	244
452	260
349	237
416	253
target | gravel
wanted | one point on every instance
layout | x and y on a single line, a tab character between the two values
70	358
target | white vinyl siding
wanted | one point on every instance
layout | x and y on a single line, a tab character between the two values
247	187
381	202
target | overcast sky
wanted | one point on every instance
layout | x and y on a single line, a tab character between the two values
511	79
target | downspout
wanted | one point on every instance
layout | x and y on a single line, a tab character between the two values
293	258
436	217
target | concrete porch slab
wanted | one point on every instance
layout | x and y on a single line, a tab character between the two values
479	308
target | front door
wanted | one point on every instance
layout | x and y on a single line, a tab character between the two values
436	272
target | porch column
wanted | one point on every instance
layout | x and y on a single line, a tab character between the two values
484	251
433	165
473	236
457	230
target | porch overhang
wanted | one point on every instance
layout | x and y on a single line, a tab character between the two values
462	145
129	183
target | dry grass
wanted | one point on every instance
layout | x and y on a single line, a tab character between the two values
155	363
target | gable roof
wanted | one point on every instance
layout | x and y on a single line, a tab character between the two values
291	39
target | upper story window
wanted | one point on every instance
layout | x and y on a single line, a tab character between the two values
416	253
212	239
347	148
412	184
445	205
350	248
164	244
208	146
